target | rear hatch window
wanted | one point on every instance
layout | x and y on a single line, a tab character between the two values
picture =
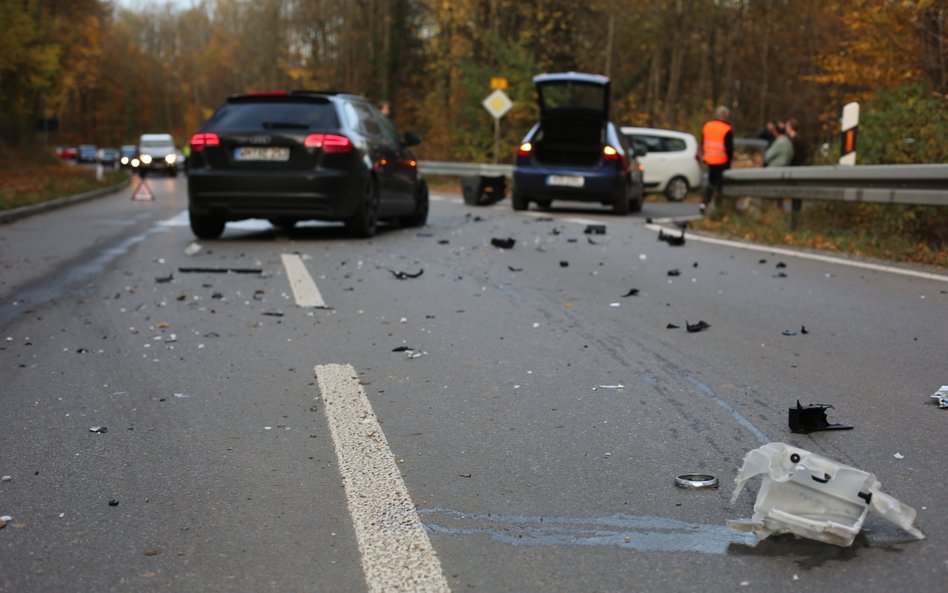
274	115
270	134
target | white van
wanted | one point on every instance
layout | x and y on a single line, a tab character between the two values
156	152
672	162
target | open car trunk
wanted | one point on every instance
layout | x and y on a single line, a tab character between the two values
574	109
569	142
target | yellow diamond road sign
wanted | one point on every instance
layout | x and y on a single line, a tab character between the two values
497	103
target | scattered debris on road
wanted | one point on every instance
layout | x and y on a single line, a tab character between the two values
673	240
814	497
564	264
507	243
220	270
192	249
406	275
164	279
942	396
595	229
811	418
672	326
513	269
98	429
674	272
631	292
696	327
696	481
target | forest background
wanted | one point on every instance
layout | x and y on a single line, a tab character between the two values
107	72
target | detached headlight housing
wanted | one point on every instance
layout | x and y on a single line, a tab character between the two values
146	159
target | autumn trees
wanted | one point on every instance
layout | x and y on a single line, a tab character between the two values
109	73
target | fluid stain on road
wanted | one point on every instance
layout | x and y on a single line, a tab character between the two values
640	533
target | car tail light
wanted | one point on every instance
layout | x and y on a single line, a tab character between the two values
199	141
610	153
526	149
330	143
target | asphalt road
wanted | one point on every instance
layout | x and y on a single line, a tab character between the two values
524	437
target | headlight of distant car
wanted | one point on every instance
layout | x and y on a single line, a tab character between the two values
170	159
124	160
146	159
135	163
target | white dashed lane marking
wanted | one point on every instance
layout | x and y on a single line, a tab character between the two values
396	553
304	288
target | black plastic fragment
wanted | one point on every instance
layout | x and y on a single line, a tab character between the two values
406	275
674	272
595	229
503	243
220	270
513	269
696	327
564	264
113	503
673	240
631	292
402	349
806	419
164	279
672	326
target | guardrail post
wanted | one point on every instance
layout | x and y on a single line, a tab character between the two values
796	206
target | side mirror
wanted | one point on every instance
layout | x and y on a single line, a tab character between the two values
412	139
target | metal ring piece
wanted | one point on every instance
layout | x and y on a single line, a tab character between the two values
696	481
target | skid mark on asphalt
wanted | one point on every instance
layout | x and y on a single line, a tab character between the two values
641	533
396	553
304	288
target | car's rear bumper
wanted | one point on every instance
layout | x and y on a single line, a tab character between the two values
236	195
598	185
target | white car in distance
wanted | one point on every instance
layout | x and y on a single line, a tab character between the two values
672	161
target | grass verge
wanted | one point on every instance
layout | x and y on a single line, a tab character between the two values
28	179
907	234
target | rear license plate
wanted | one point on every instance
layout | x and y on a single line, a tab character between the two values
565	180
262	153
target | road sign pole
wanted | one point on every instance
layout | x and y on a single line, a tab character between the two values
496	138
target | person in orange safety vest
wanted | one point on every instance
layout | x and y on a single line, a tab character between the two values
717	149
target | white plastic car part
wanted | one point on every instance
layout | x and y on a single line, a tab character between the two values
814	497
942	396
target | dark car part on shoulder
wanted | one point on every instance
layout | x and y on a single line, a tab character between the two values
503	243
811	418
673	240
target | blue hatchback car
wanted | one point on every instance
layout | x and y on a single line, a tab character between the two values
574	152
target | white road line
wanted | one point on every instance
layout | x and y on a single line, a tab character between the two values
396	553
304	288
811	256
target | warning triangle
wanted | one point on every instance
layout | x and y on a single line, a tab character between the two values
143	193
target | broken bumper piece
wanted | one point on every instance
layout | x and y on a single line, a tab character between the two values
814	497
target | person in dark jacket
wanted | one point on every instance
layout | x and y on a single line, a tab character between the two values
717	150
799	147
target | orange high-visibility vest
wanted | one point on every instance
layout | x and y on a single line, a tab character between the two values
713	146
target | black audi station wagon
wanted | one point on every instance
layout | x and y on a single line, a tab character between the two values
288	156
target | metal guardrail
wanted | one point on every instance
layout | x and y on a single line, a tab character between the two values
465	169
925	185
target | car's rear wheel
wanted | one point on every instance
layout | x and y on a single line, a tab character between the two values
207	226
677	189
420	216
364	221
519	201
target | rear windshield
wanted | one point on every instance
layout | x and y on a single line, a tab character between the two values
274	116
573	95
